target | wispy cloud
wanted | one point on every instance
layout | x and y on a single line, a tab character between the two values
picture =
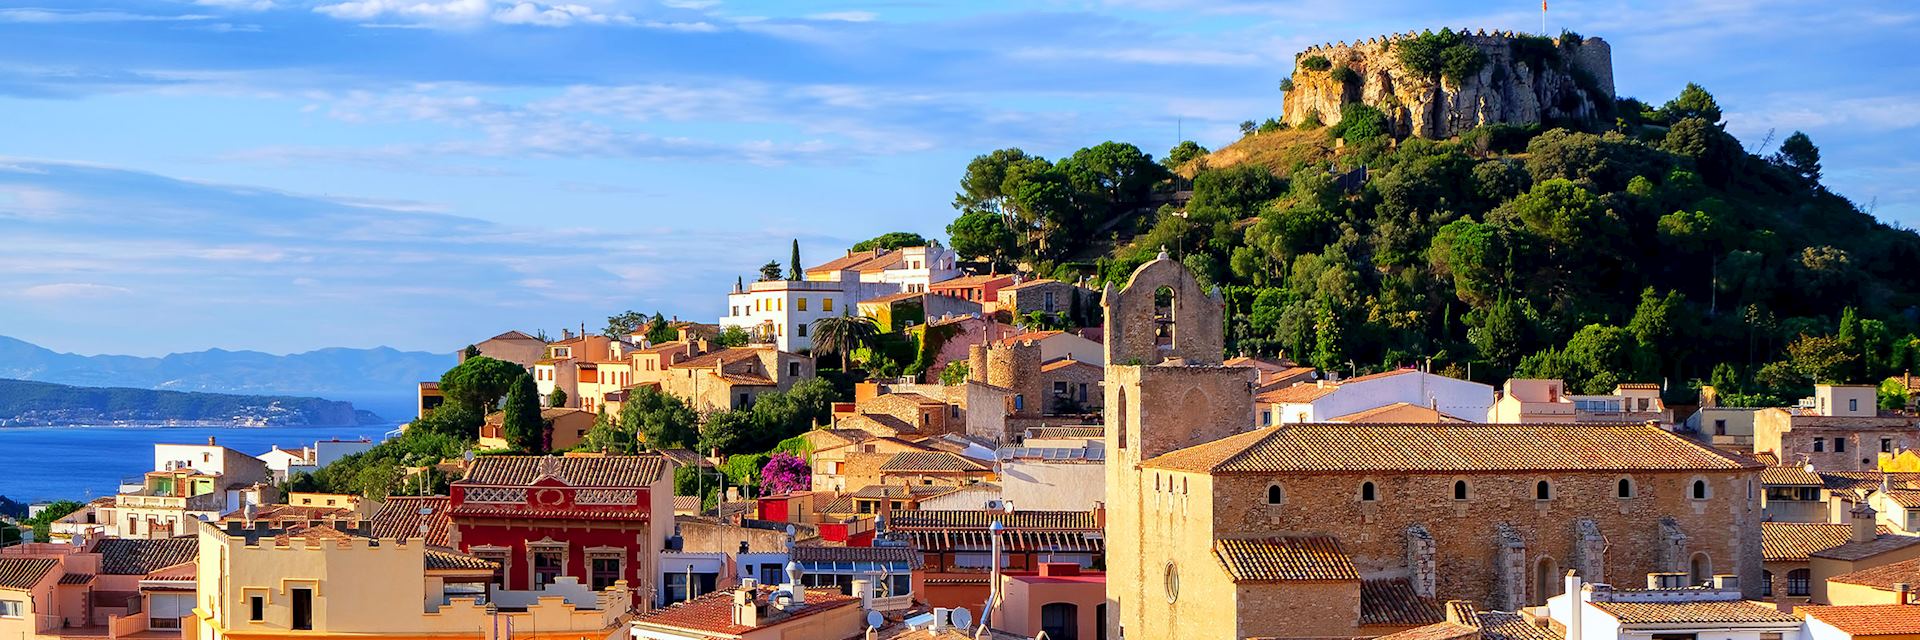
54	16
1197	57
72	291
845	16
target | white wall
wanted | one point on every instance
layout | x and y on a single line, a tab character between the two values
1458	398
1053	486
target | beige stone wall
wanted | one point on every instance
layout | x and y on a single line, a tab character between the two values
1133	330
1074	377
1297	609
1033	297
1725	526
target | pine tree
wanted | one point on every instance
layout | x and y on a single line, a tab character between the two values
521	417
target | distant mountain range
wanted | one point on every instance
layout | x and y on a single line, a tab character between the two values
381	379
27	403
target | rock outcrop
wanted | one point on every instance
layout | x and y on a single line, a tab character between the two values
1524	80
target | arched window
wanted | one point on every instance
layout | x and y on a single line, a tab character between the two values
1546	580
1766	583
1797	582
1700	569
1626	488
1173	583
1459	489
1275	495
1367	492
1542	490
1700	489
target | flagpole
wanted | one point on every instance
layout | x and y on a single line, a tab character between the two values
1543	18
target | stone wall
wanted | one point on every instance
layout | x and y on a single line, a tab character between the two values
1140	330
1576	87
1584	526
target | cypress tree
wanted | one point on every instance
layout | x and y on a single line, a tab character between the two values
521	417
793	268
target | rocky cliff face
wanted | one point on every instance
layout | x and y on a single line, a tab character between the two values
1524	80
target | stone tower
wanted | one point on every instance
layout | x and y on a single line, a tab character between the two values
1011	366
1166	390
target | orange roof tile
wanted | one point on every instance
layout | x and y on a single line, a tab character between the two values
1866	620
1064	363
1690	612
1031	283
1398	412
713	613
1793	541
1438	448
1030	335
981	518
1300	558
1789	476
1378	376
932	461
1864	550
849	261
406	516
1392	601
134	557
24	573
717	358
1299	392
1884	576
584	471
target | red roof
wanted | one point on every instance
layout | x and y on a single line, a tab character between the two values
404	516
713	613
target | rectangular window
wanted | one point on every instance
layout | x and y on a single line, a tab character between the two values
547	565
1886	445
13	609
793	369
1840	445
256	608
800	329
303	609
1853	404
1059	388
605	571
1049	302
826	304
499	559
1719	427
1819	445
799	304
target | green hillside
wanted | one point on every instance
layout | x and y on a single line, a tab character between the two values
1653	248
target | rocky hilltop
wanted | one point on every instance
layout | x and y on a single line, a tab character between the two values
1441	85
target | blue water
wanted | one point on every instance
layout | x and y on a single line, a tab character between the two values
81	463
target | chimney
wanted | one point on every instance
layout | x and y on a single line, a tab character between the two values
1902	593
1726	582
210	441
1576	605
746	611
1864	523
863	588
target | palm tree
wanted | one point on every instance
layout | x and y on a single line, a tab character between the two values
842	334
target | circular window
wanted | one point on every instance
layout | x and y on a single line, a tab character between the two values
1173	583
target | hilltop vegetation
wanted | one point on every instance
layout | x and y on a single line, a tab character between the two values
1651	248
27	403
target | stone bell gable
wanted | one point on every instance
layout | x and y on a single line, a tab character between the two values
1163	313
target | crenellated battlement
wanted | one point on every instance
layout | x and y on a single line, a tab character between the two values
1480	37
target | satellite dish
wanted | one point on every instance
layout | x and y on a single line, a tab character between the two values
468	456
961	619
875	620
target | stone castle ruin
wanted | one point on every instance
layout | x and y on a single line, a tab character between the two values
1524	80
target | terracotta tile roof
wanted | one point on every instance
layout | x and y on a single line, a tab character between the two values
877	491
513	335
1262	363
1864	550
869	422
1085	431
718	358
182	571
126	557
403	516
1378	376
1767	458
1866	480
747	380
916	398
1031	283
1308	558
310	535
1398	412
1639	386
1909	498
1063	363
1393	602
840	504
1790	476
713	613
684	457
1299	392
969	281
446	559
76	578
1794	541
882	262
1438	631
849	261
1030	335
1691	612
1449	448
296	512
1883	576
858	554
686	503
931	461
577	471
981	518
1866	620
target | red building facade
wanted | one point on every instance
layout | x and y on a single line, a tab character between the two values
589	517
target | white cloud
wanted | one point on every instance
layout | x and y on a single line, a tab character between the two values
50	16
72	291
558	15
447	10
689	4
1875	114
247	5
845	16
456	13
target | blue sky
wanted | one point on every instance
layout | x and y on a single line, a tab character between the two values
285	175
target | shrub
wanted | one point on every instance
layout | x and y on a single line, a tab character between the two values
1247	127
1286	84
1345	75
1316	63
1312	121
1498	138
1461	62
1359	123
1271	125
1442	54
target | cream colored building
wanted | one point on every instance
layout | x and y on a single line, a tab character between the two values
320	582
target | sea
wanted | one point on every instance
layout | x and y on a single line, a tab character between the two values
83	462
